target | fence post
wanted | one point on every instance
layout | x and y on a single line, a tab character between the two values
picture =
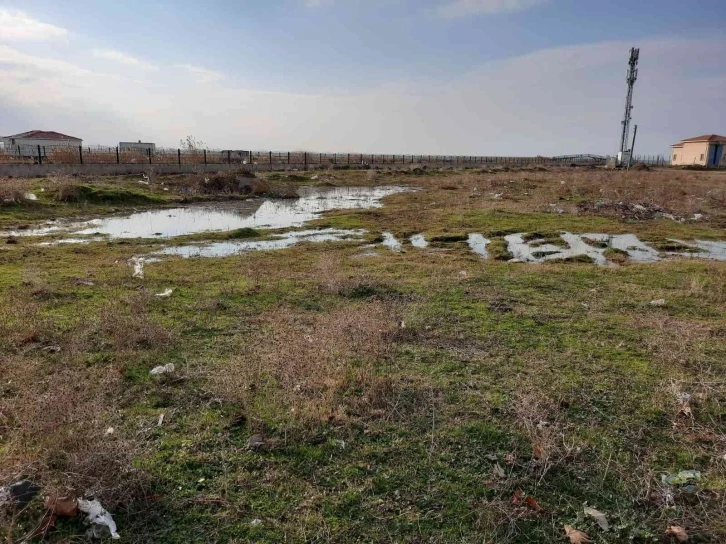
118	158
205	156
305	160
229	157
270	156
80	153
148	152
178	156
288	157
40	158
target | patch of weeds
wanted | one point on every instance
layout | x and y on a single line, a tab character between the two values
245	232
595	243
573	259
616	255
367	291
499	250
449	238
672	245
93	194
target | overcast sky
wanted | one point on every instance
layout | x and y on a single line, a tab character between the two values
469	77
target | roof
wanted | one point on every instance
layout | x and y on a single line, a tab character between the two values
706	138
43	135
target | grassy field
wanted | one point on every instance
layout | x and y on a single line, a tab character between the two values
422	396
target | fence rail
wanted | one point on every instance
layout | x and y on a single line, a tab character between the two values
273	159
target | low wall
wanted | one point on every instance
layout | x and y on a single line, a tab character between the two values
40	170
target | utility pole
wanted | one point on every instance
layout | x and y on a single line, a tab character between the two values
630	79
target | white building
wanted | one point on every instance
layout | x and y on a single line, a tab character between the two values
137	146
26	144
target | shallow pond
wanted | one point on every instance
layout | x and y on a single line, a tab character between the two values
253	213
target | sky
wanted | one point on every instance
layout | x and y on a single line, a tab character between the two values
455	77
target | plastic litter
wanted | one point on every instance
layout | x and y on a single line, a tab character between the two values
602	521
682	478
166	293
30	196
658	302
164	369
20	493
100	520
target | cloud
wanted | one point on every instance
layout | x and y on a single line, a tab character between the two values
557	101
318	3
123	58
201	75
18	26
465	8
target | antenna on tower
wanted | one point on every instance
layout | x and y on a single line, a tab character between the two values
631	79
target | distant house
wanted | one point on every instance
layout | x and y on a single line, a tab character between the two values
144	147
707	150
26	144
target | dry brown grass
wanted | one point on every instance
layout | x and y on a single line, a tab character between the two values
12	190
311	368
56	405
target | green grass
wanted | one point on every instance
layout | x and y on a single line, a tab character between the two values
561	374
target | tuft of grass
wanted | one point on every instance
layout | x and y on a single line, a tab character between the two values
616	255
245	232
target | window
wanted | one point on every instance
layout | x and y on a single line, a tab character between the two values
675	157
703	157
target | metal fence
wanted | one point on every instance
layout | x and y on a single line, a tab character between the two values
272	159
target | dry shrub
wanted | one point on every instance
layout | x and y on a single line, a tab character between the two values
311	368
53	421
242	182
673	340
12	191
541	421
124	327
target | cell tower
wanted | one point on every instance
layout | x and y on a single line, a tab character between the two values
631	79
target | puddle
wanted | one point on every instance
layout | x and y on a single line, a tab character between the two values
419	241
637	250
389	240
278	241
254	213
478	245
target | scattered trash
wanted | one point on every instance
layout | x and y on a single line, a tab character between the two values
658	302
109	431
138	264
142	182
52	349
62	506
678	532
256	522
697	216
100	520
255	442
165	369
389	240
166	293
602	521
30	196
514	261
314	177
161	420
686	478
20	493
497	196
575	535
